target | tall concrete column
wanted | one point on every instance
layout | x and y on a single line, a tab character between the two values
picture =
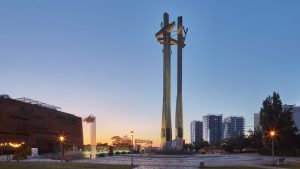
164	37
179	116
166	130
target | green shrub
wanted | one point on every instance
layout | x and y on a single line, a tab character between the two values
20	155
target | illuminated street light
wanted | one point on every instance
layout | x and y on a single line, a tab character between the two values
61	139
132	133
272	134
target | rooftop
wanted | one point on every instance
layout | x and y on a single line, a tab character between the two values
37	103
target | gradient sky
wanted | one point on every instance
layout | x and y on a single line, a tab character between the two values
101	57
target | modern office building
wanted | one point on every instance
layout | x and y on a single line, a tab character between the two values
37	125
256	121
233	127
212	128
196	131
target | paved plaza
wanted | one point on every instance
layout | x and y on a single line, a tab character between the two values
191	161
154	161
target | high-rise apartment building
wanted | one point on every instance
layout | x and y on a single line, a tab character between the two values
196	131
233	127
296	116
256	121
212	128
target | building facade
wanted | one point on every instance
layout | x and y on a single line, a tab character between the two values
196	131
38	125
296	117
296	114
256	121
212	128
233	127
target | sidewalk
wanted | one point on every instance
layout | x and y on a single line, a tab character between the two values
266	167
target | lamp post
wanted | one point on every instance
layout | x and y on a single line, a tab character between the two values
131	133
272	134
61	140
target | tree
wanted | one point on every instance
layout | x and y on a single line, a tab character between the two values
102	144
121	141
235	144
254	140
200	144
273	116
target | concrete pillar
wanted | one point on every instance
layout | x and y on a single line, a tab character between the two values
166	129
179	116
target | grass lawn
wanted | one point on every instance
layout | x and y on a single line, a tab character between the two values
54	165
291	166
233	167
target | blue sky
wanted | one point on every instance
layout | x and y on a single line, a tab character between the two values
101	57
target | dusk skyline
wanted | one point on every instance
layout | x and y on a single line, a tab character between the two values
102	58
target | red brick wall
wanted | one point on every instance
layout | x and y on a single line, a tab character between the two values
37	126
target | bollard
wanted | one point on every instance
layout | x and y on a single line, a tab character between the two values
201	165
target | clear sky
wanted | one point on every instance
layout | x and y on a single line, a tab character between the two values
101	57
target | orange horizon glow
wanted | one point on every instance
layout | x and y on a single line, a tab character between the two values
107	139
144	130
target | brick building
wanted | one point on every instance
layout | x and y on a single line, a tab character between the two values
37	124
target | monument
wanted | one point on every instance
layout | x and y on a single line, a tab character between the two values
179	118
91	119
164	37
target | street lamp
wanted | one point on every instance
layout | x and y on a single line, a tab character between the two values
61	139
272	134
131	133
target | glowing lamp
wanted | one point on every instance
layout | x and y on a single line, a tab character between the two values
61	138
272	133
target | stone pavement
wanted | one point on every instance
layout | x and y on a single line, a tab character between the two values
144	161
190	161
